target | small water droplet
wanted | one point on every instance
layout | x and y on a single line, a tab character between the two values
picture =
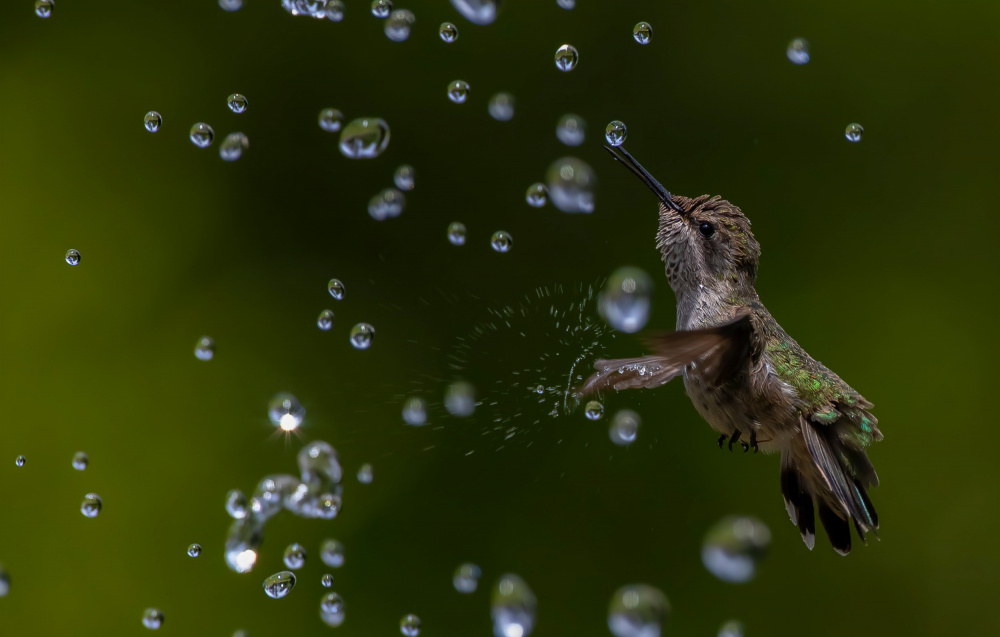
571	129
331	609
404	177
537	195
91	505
409	626
571	185
624	427
332	553
285	411
481	12
594	410
566	4
231	5
73	256
80	460
415	412
366	474
204	349
202	135
798	51
458	91
466	578
335	10
853	132
152	121
152	618
512	607
381	8
325	320
237	103
295	556
637	610
336	289
313	8
330	120
43	8
501	241
194	550
4	582
733	546
232	146
642	33
362	336
731	628
327	581
364	138
280	584
625	301
615	133
501	107
460	399
19	461
397	27
456	233
448	32
237	504
567	57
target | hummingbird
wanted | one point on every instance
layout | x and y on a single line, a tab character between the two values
745	375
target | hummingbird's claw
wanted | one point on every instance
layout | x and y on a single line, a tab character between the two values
746	447
734	438
753	441
722	439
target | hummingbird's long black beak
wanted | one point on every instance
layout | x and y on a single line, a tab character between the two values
622	155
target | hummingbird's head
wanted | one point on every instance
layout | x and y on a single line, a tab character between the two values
705	241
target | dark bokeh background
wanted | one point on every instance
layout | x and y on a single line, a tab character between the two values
879	257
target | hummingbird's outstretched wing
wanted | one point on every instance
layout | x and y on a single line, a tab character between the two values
714	353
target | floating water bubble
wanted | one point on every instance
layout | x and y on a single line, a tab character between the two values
501	241
567	57
202	135
332	553
80	460
566	4
362	336
314	8
194	550
91	505
731	628
625	301
270	494
460	399
537	195
512	607
295	556
798	51
397	27
43	8
364	138
331	609
327	581
571	129
415	412
458	91
448	32
330	120
152	121
501	107
280	584
466	578
4	582
637	610
409	626
456	233
615	133
204	349
231	5
73	256
366	474
336	289
624	427
571	185
477	11
642	33
319	464
853	132
237	103
733	546
381	8
404	177
152	618
594	410
285	411
325	320
237	505
232	146
242	541
19	461
335	10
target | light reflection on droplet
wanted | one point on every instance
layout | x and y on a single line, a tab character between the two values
285	411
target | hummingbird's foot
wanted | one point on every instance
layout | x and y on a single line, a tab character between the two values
722	439
753	440
734	438
746	447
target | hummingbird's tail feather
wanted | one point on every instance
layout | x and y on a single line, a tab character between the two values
798	501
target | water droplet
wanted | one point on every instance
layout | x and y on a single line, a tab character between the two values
731	628
19	461
642	33
152	121
381	8
466	578
280	584
409	626
335	10
571	185
285	411
4	582
331	609
295	556
594	410
336	289
853	132
397	27
512	607
232	146
460	399
231	5
501	107
80	460
332	553
237	103
798	51
566	4
567	57
91	505
637	610
194	550
456	233
313	8
624	427
237	505
204	349
448	32
364	138
458	91
242	541
366	474
362	336
327	581
625	301
537	195
571	129
202	135
404	177
325	320
477	11
415	412
501	241
615	133
733	546
43	8
330	120
73	256
152	618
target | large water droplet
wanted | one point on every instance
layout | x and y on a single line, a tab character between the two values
477	11
731	628
537	195
152	121
733	546
456	233
615	133
381	8
91	505
19	461
571	185
448	32
512	607
331	609
624	427
313	8
571	129
202	135
397	27
80	461
335	10
460	399
332	553
152	618
853	132
285	411
232	146
73	256
295	556
362	336
404	177
326	581
237	103
325	320
237	505
466	578
409	626
366	474
625	301
242	541
364	138
336	289
415	412
637	610
567	57
194	550
458	91
230	5
642	33
594	410
271	493
43	8
501	241
501	107
798	51
204	349
566	4
319	464
280	584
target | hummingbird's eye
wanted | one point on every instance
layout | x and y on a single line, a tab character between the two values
706	229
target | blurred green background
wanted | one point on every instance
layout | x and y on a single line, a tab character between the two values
879	257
